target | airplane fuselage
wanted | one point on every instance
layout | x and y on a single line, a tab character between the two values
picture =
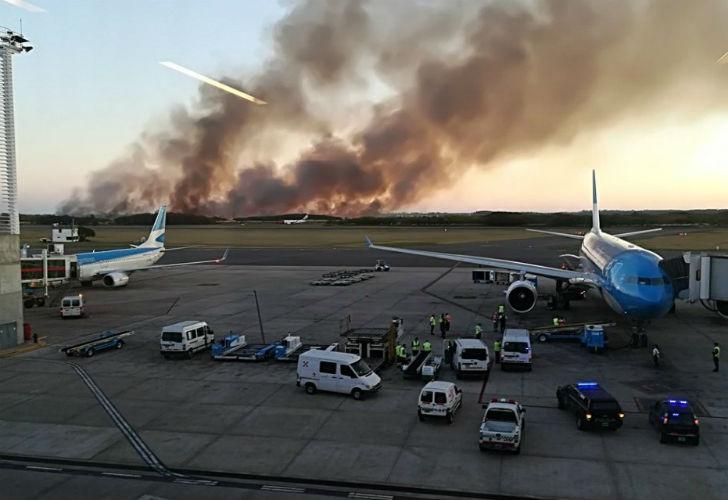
94	265
632	281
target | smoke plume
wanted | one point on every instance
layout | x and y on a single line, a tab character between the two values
374	105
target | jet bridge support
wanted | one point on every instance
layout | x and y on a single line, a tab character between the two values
707	281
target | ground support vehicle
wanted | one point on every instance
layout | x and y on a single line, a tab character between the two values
439	399
431	369
228	347
381	266
503	426
334	371
469	356
101	342
72	306
413	368
516	350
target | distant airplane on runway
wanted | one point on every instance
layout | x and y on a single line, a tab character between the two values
631	280
296	221
113	267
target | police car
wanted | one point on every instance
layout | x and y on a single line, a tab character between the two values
593	407
676	421
503	426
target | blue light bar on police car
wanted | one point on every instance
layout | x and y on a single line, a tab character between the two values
587	385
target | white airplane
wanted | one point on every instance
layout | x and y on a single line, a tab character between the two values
113	267
296	221
631	280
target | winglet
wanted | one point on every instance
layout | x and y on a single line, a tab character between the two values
368	241
224	256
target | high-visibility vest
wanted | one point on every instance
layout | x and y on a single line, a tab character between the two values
497	346
501	309
478	330
716	352
556	321
416	345
433	321
400	351
426	346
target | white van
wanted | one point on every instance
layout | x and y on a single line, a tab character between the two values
470	356
439	399
333	371
185	337
516	350
72	307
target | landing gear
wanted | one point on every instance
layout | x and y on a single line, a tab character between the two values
639	334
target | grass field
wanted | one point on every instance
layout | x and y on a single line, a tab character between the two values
269	235
314	235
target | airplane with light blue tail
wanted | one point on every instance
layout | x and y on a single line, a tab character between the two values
632	280
113	267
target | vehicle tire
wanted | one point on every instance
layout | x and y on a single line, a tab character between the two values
458	374
119	344
40	302
542	338
29	303
580	423
517	451
663	438
89	352
450	417
357	394
165	356
561	403
420	416
310	388
190	353
482	448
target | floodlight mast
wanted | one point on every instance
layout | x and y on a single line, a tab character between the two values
11	43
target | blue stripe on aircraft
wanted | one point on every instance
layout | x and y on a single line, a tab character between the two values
106	255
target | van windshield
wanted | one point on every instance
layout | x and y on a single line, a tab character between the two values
361	368
476	353
521	347
172	336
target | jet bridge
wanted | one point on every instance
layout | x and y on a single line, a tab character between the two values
707	281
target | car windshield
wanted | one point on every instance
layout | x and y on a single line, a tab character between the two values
604	406
361	368
521	347
172	336
501	415
474	354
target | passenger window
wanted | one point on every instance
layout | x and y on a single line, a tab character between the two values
328	367
66	303
426	397
190	335
440	398
200	332
346	371
75	303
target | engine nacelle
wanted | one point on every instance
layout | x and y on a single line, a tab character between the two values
521	296
721	307
115	280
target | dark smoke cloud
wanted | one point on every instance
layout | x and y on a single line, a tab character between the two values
388	102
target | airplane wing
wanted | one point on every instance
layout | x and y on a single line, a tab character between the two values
509	265
633	233
180	264
556	233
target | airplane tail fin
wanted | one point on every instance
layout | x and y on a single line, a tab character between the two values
595	204
305	217
156	235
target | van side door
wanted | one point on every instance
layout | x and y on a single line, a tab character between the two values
348	379
328	377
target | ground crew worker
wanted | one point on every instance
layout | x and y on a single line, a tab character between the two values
433	322
494	319
443	325
501	309
426	346
478	331
656	355
502	322
556	321
497	350
716	356
415	346
448	322
401	352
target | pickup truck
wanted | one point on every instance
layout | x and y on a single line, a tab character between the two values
503	426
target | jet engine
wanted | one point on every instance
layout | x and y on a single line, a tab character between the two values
521	296
115	280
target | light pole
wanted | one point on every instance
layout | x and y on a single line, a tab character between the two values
11	43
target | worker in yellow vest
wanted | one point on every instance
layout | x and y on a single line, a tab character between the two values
426	346
415	346
497	350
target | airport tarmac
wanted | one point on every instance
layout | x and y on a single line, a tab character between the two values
128	424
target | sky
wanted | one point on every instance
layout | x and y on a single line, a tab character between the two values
93	85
